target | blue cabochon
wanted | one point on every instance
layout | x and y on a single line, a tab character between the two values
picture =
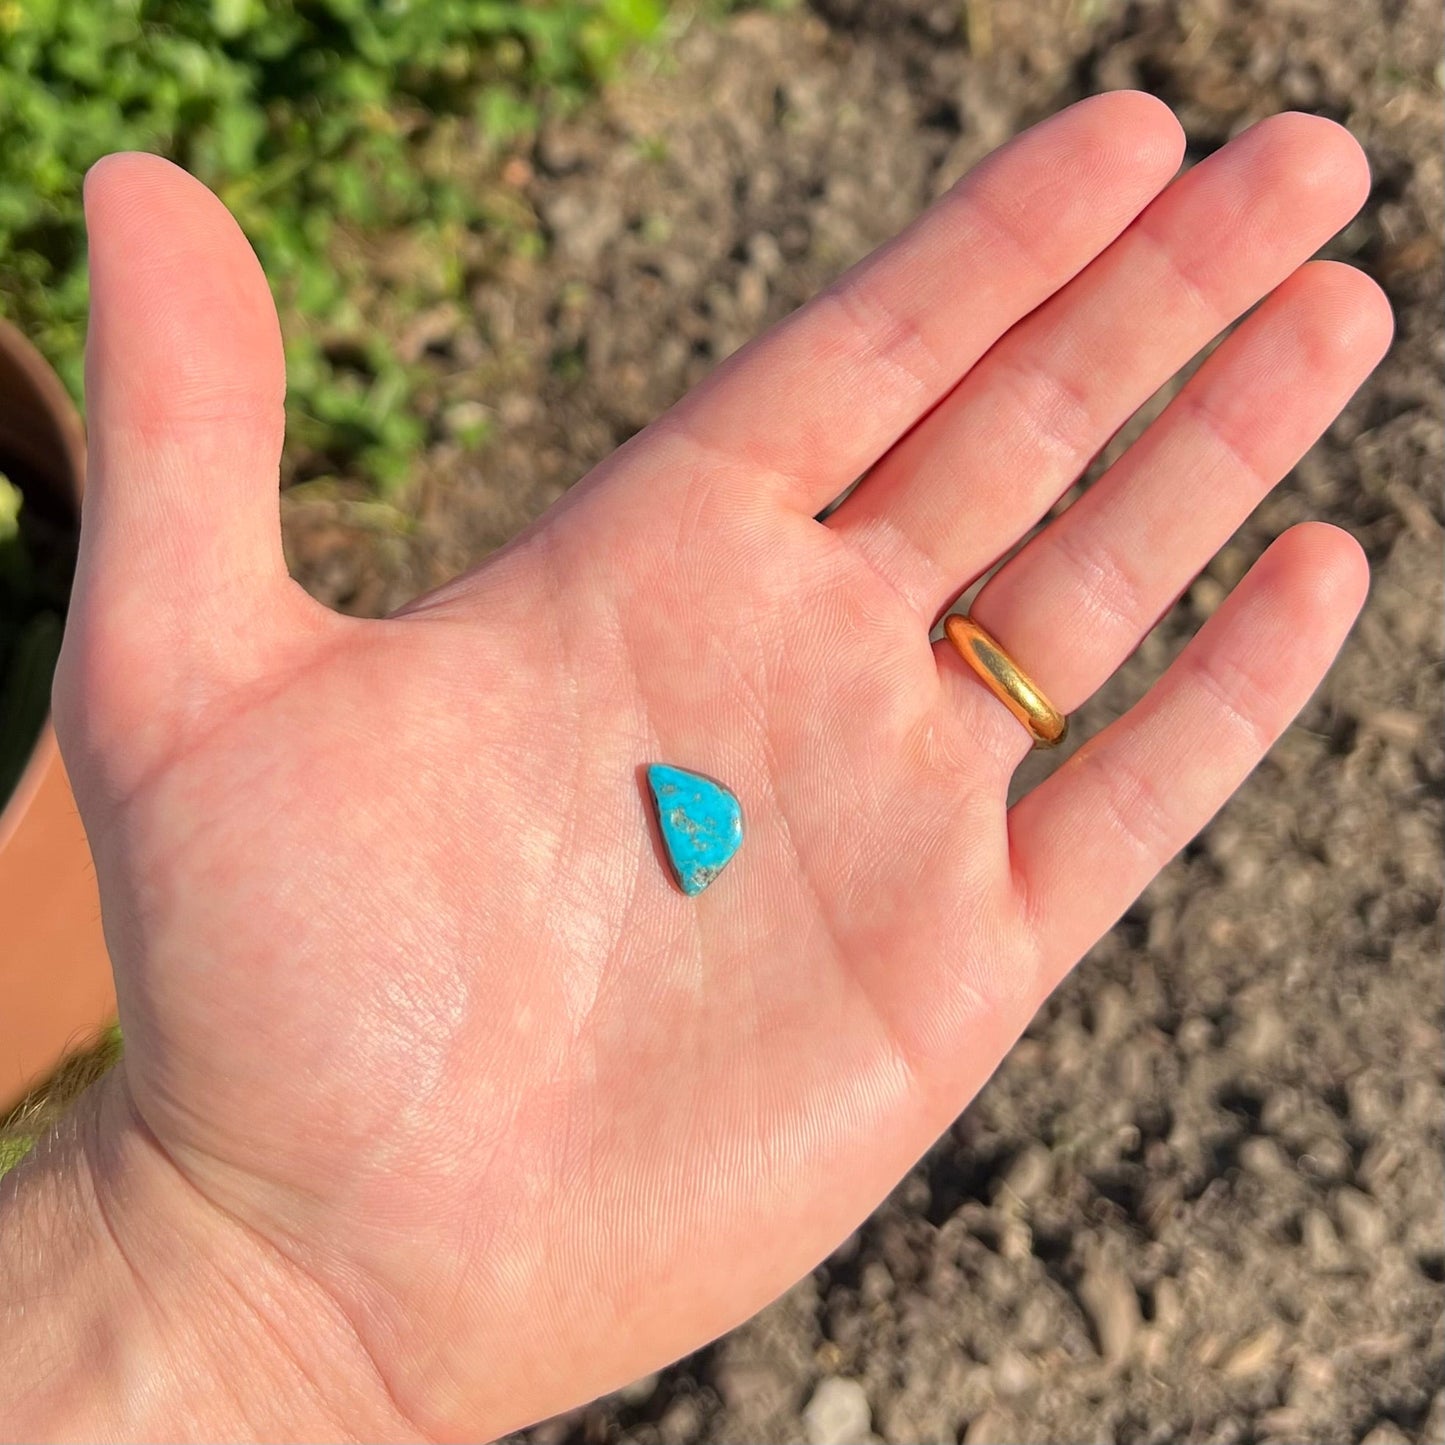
701	823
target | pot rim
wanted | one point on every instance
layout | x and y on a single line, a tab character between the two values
52	397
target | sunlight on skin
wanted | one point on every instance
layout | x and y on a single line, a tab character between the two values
459	1108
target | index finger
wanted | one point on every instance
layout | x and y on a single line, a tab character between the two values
810	405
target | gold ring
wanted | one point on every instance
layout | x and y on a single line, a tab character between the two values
1003	677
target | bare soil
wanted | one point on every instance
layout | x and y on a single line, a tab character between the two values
1202	1200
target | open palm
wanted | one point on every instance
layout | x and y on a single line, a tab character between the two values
410	998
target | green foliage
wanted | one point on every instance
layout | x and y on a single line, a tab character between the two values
310	118
13	1150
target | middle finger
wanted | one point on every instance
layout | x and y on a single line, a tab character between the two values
1017	431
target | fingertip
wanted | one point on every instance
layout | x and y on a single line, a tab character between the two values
1326	567
1151	118
114	176
99	173
95	176
1315	154
1343	318
154	207
1135	128
182	323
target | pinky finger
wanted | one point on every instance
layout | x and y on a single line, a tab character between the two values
1088	840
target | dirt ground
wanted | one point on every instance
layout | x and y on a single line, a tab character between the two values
1202	1200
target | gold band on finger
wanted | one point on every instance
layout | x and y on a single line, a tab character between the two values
1008	683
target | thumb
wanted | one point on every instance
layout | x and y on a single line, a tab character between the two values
181	585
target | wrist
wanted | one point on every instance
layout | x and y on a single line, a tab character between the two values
133	1308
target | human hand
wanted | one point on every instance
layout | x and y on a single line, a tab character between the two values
426	1054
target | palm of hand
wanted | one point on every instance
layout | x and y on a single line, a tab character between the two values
406	986
459	985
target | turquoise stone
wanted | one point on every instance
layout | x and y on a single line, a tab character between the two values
701	823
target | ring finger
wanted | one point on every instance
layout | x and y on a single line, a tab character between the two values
1077	599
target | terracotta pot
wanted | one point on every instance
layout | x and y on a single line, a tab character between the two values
55	981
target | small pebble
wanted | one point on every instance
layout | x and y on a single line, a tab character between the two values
1396	725
1262	1156
1263	1036
1029	1174
1194	1035
1111	1010
1380	1163
553	1431
838	1413
752	295
1013	1374
993	1427
1168	1304
758	1388
1387	1432
639	1391
1325	1158
1112	1306
1321	1243
1153	1349
682	1421
1369	1101
1207	1349
875	1283
1361	1220
1380	1345
764	255
1015	1241
1314	1378
1254	1355
1284	1422
1206	595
